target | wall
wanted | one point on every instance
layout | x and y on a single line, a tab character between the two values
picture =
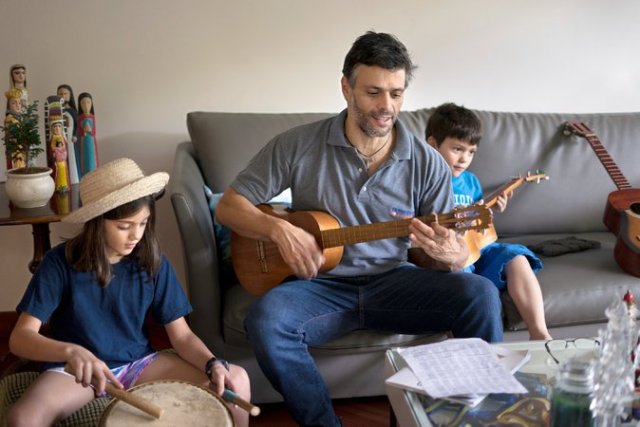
148	62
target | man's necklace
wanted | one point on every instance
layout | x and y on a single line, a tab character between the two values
368	158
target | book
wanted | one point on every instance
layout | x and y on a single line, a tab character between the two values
514	409
512	360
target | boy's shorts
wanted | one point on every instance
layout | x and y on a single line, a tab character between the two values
127	374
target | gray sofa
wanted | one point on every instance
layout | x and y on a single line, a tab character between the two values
577	287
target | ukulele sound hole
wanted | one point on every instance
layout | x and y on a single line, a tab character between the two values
635	208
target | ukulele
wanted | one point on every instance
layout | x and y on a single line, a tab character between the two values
622	210
477	240
259	266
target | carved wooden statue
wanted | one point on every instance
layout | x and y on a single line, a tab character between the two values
14	106
18	75
88	144
70	130
57	153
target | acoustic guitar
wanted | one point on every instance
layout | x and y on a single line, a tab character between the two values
622	210
476	240
259	266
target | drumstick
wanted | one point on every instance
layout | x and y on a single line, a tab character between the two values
231	396
136	401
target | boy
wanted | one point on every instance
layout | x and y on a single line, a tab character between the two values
455	132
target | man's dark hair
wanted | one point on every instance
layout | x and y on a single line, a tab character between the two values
378	49
454	121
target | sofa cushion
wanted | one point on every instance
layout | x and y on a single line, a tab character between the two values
565	245
577	287
222	237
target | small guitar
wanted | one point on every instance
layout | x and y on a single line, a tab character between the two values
621	210
259	266
476	240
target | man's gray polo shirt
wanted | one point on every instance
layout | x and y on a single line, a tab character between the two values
325	173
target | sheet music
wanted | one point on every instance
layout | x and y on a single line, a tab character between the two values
460	366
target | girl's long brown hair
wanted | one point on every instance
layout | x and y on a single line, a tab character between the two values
87	251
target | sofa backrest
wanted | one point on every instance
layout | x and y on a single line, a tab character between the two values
225	142
572	201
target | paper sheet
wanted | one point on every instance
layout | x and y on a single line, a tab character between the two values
461	366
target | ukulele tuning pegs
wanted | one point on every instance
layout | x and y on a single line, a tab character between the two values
569	128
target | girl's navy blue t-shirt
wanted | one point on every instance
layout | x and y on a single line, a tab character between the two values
108	321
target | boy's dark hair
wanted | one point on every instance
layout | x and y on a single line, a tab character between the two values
85	252
377	49
454	121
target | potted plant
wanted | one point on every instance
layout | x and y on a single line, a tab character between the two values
27	185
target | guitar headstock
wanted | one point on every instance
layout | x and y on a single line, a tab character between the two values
536	177
578	128
472	217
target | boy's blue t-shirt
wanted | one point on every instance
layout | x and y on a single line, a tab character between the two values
495	256
108	321
466	189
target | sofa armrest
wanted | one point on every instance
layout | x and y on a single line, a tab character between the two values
199	247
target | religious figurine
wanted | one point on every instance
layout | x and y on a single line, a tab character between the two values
53	109
71	130
18	75
14	106
59	153
88	145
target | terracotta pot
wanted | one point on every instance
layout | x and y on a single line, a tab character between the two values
29	190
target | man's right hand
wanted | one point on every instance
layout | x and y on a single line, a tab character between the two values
298	249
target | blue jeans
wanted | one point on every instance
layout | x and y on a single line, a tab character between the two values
409	300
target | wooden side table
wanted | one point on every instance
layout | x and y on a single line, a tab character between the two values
39	218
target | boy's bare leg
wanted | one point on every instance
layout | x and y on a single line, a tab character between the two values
524	289
52	397
171	366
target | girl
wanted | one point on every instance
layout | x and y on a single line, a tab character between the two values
95	291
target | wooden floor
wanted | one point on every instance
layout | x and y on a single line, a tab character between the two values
360	412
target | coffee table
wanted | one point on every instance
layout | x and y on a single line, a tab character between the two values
408	407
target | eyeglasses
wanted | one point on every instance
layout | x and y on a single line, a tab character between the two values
557	346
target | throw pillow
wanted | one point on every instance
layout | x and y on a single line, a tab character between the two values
556	247
223	233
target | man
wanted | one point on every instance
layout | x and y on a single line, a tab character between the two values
369	168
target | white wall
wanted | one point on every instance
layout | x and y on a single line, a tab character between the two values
148	62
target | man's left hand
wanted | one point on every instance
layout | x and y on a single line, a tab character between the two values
439	243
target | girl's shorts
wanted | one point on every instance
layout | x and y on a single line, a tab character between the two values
127	374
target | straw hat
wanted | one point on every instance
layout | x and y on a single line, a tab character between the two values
114	184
